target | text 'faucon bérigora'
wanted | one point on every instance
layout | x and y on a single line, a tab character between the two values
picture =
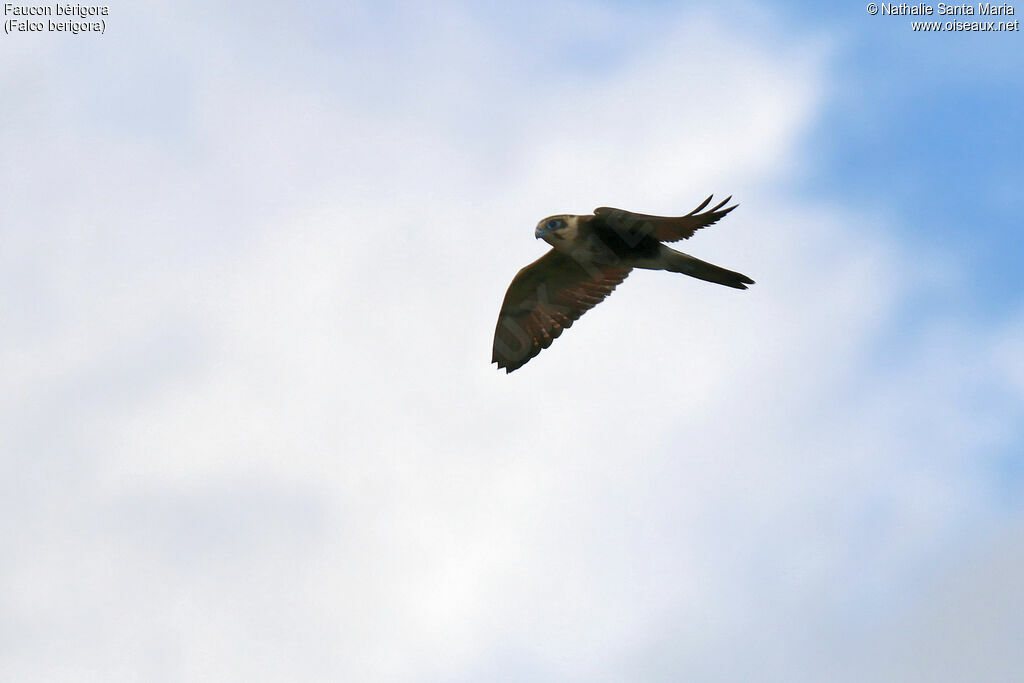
65	10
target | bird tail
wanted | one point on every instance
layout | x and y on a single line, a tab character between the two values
678	262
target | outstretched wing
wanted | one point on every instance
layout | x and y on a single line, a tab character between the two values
664	228
546	297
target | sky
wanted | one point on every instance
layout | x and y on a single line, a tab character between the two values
252	258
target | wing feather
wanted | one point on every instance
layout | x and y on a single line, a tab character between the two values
544	299
665	228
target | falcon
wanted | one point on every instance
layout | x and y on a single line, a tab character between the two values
590	256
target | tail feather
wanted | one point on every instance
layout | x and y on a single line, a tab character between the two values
678	262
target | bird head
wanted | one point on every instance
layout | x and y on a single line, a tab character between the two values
552	229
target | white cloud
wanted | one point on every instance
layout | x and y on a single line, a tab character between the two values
254	431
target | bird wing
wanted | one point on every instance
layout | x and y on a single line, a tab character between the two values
546	297
664	228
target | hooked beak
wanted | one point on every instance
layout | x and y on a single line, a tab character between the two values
539	232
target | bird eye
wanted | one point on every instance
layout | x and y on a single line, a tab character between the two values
554	224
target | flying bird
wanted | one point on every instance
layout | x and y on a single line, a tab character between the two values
591	256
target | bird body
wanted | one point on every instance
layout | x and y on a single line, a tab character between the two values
590	256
